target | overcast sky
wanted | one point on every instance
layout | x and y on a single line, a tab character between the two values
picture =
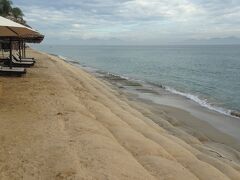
132	21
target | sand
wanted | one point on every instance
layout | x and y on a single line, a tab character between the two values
60	122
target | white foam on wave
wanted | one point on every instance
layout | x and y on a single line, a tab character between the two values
202	102
62	57
117	75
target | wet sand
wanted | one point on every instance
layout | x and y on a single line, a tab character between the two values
60	122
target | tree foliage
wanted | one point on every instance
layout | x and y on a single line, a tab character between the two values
13	13
5	7
17	12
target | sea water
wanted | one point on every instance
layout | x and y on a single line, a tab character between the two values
208	75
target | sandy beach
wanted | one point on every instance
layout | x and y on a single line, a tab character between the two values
60	122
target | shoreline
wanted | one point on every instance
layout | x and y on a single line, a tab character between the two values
203	100
150	86
60	122
179	115
194	120
159	95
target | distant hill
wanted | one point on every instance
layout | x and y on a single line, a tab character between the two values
212	41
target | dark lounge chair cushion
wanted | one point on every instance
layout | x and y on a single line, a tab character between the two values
14	71
18	64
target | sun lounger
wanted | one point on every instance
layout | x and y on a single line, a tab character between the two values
28	58
15	63
14	71
23	59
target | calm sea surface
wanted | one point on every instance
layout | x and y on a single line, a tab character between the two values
209	75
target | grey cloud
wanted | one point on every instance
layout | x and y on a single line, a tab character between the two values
142	20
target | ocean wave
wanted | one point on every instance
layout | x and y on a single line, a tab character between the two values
156	84
202	102
117	76
62	57
68	60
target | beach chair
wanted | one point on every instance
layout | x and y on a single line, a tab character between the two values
15	63
23	59
27	58
14	71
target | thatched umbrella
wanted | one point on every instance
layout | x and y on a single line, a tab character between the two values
12	31
23	41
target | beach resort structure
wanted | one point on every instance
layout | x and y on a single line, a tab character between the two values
13	32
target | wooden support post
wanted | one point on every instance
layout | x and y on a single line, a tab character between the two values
10	60
19	49
24	45
22	48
